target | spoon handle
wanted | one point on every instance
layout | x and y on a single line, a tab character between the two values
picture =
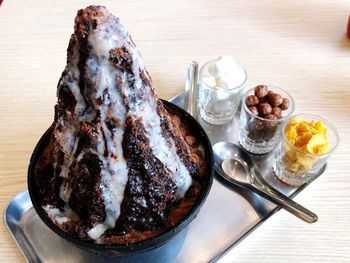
193	76
285	202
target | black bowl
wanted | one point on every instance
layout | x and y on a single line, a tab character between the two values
144	245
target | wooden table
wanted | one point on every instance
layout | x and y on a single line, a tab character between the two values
298	45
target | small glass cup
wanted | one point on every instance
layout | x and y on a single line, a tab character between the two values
217	105
296	167
259	135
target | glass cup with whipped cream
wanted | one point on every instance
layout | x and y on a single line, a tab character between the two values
220	89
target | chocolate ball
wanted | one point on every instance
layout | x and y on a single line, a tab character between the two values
277	112
262	100
269	94
273	124
253	110
275	100
285	104
252	101
260	91
270	116
264	109
258	125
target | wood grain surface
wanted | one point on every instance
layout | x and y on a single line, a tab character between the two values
298	45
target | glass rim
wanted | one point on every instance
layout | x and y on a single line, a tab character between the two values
215	88
315	117
283	118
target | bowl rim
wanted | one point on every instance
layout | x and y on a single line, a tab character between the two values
144	245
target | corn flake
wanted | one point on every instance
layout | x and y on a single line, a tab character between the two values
309	137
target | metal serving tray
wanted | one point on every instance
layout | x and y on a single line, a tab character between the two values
228	216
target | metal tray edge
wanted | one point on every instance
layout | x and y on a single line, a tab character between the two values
10	226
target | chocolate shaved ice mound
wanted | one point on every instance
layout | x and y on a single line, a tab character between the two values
119	167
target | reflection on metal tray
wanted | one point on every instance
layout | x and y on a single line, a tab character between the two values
228	215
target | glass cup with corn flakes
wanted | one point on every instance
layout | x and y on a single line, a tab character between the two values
307	142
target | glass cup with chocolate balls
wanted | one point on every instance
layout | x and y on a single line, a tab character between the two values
264	109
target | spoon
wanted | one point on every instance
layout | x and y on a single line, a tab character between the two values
191	86
236	166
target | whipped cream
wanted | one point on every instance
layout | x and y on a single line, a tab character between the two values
224	72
